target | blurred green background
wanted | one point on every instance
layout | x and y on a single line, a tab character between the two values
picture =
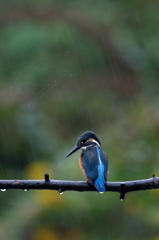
67	67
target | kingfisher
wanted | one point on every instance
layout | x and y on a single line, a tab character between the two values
93	160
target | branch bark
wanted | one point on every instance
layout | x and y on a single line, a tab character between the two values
80	186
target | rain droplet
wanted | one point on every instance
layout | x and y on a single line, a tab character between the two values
3	190
60	191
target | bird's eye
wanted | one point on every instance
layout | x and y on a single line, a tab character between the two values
81	143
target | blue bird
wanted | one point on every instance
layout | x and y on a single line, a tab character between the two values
93	160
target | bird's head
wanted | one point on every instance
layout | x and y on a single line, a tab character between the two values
86	139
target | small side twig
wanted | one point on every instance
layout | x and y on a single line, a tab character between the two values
46	176
122	193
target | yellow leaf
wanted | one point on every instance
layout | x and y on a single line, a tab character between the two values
45	234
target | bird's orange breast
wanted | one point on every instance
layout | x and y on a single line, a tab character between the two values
81	166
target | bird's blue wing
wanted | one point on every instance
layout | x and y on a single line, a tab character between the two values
90	163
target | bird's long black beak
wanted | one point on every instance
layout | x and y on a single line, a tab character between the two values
73	150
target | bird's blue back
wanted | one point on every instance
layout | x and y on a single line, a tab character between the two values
95	165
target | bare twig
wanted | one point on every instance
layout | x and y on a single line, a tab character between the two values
81	186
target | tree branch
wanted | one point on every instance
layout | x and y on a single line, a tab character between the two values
81	186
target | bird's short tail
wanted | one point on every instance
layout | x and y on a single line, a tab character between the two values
100	186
